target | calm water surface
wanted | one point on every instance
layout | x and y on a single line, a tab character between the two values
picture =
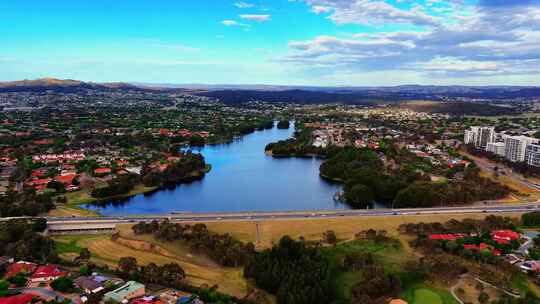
242	178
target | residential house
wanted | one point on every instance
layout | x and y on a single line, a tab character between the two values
17	299
481	247
505	236
126	292
530	266
447	237
49	272
147	300
20	267
88	284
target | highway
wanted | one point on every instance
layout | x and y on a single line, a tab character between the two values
108	223
488	166
257	216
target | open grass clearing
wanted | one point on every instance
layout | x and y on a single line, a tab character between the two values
425	294
107	252
390	254
313	228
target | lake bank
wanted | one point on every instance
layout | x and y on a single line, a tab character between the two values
243	178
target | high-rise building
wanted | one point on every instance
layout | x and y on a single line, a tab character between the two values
479	136
469	137
496	148
515	146
486	135
532	155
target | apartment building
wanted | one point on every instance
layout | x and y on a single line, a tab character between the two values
515	147
497	148
480	136
532	155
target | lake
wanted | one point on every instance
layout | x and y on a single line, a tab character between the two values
243	178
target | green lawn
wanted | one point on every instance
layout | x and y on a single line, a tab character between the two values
391	255
423	294
69	243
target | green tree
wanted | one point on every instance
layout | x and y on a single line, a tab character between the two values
483	298
330	237
127	266
359	196
63	284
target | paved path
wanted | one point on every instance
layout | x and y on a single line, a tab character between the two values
453	291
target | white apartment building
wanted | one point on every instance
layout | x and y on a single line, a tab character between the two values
515	146
532	155
469	137
480	136
497	148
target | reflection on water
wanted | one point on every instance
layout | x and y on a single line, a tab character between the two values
243	178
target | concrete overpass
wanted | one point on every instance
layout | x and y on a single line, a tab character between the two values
61	225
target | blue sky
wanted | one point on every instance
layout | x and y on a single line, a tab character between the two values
289	42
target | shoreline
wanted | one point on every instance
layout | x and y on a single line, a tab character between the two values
309	155
74	207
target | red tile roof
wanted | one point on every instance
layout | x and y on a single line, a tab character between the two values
504	236
49	270
447	237
102	170
43	181
482	246
65	179
15	268
18	299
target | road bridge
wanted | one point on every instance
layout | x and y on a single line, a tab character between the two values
107	224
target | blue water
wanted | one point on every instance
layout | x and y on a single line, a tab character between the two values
242	178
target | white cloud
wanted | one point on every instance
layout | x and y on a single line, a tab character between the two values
370	12
242	4
229	22
319	9
467	41
257	18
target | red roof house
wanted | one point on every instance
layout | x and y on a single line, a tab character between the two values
21	266
482	246
43	181
18	299
38	172
447	237
48	272
65	179
102	171
504	236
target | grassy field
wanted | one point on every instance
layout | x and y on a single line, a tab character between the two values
199	269
202	270
424	294
390	255
313	229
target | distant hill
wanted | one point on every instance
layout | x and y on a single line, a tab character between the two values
457	108
61	86
290	96
236	94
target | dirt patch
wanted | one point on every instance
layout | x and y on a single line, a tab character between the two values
469	289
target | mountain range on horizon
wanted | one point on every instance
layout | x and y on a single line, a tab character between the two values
232	94
50	81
